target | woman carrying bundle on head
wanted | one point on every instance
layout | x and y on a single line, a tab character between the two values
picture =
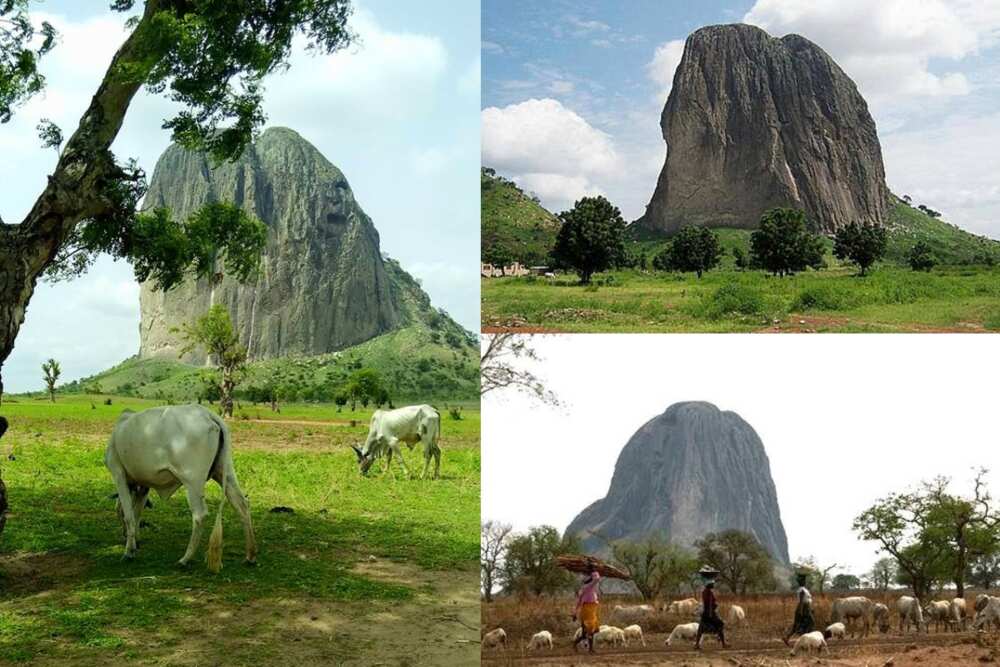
803	623
710	623
586	607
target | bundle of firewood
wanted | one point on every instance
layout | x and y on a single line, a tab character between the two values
582	564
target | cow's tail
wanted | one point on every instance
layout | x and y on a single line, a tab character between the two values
214	555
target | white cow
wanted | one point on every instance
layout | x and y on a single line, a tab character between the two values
910	612
938	611
540	640
685	607
880	614
958	615
849	609
634	632
409	425
163	449
628	614
495	639
737	616
987	612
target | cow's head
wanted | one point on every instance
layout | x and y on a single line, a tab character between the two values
365	461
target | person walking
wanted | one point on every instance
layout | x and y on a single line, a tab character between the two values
804	622
710	623
586	610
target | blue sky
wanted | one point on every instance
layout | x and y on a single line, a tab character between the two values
573	91
397	112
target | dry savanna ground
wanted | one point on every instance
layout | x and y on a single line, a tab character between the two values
757	644
376	570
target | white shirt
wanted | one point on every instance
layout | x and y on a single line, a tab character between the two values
805	595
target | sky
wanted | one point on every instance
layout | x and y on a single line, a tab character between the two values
843	424
573	91
397	112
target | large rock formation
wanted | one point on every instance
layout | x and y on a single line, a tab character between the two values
690	471
753	122
323	284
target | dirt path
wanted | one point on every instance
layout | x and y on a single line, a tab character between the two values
922	650
300	422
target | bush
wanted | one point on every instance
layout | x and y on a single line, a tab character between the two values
455	413
694	249
861	243
821	297
920	257
783	244
733	299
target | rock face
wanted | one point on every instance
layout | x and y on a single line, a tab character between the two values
323	284
753	122
690	471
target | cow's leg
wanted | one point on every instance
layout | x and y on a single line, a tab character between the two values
394	446
125	507
242	506
437	462
388	460
427	460
139	496
196	499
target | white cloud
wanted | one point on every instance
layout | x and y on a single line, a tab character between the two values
584	27
561	87
661	68
491	47
548	148
889	48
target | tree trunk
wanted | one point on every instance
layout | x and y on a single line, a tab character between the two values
226	401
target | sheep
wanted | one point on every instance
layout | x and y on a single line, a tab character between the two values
835	631
938	611
495	638
579	632
737	616
958	616
880	614
850	609
810	641
634	632
609	634
540	640
987	612
683	631
910	612
629	614
685	607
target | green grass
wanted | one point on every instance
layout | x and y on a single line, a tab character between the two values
889	299
515	222
80	601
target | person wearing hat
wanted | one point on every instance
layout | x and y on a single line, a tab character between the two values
586	607
710	622
804	622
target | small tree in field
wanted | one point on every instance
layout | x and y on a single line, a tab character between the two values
51	372
692	249
862	243
783	245
743	563
214	333
921	257
591	239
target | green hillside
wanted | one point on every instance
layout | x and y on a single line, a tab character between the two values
514	226
431	357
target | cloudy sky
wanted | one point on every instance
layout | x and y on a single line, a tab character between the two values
842	426
397	112
573	90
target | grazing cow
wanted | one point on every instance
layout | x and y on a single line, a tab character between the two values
163	449
850	609
409	425
958	615
910	612
880	615
540	640
495	639
628	614
987	612
737	616
634	632
938	611
685	607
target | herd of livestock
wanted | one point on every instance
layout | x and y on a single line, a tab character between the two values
165	448
855	615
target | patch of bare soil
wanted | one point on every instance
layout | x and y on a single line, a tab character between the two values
514	324
26	573
816	323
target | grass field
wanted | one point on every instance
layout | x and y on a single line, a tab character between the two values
366	570
890	299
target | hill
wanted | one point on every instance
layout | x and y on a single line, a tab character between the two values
515	227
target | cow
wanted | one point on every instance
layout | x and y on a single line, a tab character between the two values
409	425
165	448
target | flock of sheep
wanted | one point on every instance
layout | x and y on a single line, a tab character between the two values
847	615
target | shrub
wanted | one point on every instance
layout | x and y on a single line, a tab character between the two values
455	413
920	257
694	249
783	245
733	299
821	297
861	243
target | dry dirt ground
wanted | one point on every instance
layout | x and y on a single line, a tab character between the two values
923	651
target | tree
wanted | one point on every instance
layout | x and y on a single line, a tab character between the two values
862	243
692	249
883	573
492	545
365	386
740	258
498	254
50	134
340	400
591	238
655	566
984	570
209	59
50	373
846	582
743	564
783	245
499	367
214	333
530	562
921	257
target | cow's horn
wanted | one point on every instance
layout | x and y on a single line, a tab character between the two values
358	452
